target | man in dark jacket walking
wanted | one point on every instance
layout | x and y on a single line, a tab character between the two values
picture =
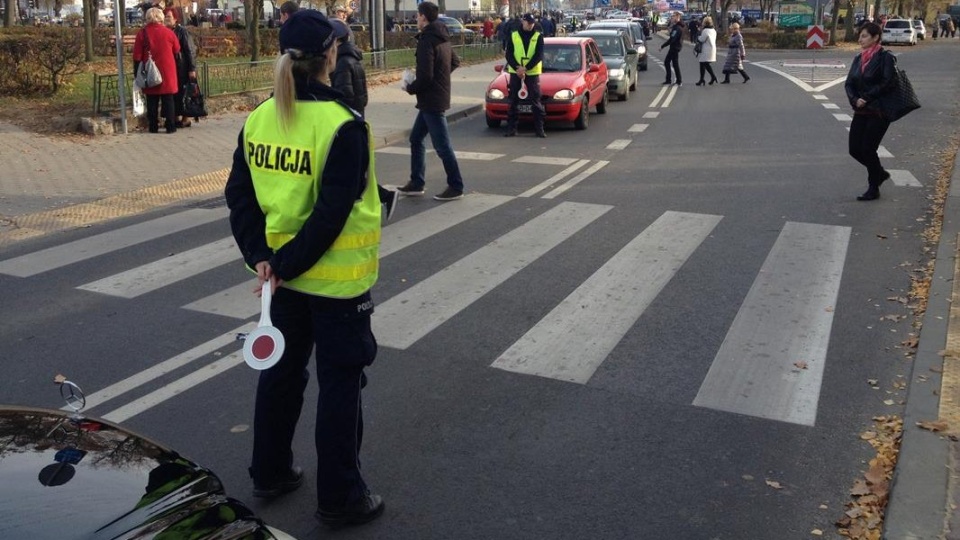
675	42
435	61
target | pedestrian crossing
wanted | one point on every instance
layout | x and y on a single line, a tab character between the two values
785	318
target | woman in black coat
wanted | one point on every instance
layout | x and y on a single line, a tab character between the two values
872	76
186	64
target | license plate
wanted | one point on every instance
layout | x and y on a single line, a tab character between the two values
525	109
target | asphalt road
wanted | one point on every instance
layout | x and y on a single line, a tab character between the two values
623	332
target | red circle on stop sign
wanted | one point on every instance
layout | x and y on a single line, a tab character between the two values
263	347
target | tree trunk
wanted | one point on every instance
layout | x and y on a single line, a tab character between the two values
835	19
89	21
848	21
253	28
10	16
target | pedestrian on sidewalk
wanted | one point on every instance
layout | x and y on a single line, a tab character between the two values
186	65
872	76
736	54
350	79
708	51
675	42
160	43
435	60
305	214
524	58
287	9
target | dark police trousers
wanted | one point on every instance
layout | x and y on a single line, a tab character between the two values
345	345
533	96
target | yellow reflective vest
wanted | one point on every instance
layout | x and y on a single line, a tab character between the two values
524	56
286	169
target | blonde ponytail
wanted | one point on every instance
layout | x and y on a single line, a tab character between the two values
284	91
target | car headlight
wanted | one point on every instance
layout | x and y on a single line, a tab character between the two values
615	73
494	93
564	95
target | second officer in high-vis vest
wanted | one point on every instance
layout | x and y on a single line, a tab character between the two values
305	213
524	57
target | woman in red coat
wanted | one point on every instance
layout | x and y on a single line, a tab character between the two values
163	46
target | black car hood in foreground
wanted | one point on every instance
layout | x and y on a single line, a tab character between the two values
63	476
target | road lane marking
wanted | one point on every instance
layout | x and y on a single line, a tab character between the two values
544	160
155	372
903	178
176	388
651	114
554	179
571	342
830	106
771	362
87	248
576	180
883	152
673	92
656	100
638	128
405	318
619	144
819	97
239	303
475	156
843	117
166	271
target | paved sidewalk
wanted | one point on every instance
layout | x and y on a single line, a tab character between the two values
49	184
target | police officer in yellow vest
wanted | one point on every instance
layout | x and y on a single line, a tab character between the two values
311	225
524	57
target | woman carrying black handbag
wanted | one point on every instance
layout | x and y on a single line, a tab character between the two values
872	77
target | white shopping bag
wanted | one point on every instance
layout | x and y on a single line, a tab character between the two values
408	77
139	103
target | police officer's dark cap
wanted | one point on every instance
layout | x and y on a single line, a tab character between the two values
309	33
528	17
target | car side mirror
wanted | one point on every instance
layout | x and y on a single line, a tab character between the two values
593	68
631	51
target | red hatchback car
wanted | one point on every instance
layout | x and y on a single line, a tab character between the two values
574	78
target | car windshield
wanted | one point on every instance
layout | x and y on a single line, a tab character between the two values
610	45
561	57
898	24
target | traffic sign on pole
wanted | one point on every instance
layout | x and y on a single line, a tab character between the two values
815	37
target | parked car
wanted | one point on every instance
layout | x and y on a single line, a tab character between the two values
898	31
620	57
456	28
636	33
573	80
920	29
63	475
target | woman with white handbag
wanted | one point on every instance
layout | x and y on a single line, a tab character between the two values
155	69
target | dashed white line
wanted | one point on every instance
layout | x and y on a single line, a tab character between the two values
619	144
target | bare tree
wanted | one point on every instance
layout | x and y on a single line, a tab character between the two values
89	21
850	34
252	11
10	15
835	18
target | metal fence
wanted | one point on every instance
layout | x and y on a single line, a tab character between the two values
239	77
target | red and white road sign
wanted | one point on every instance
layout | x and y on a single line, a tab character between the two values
815	37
